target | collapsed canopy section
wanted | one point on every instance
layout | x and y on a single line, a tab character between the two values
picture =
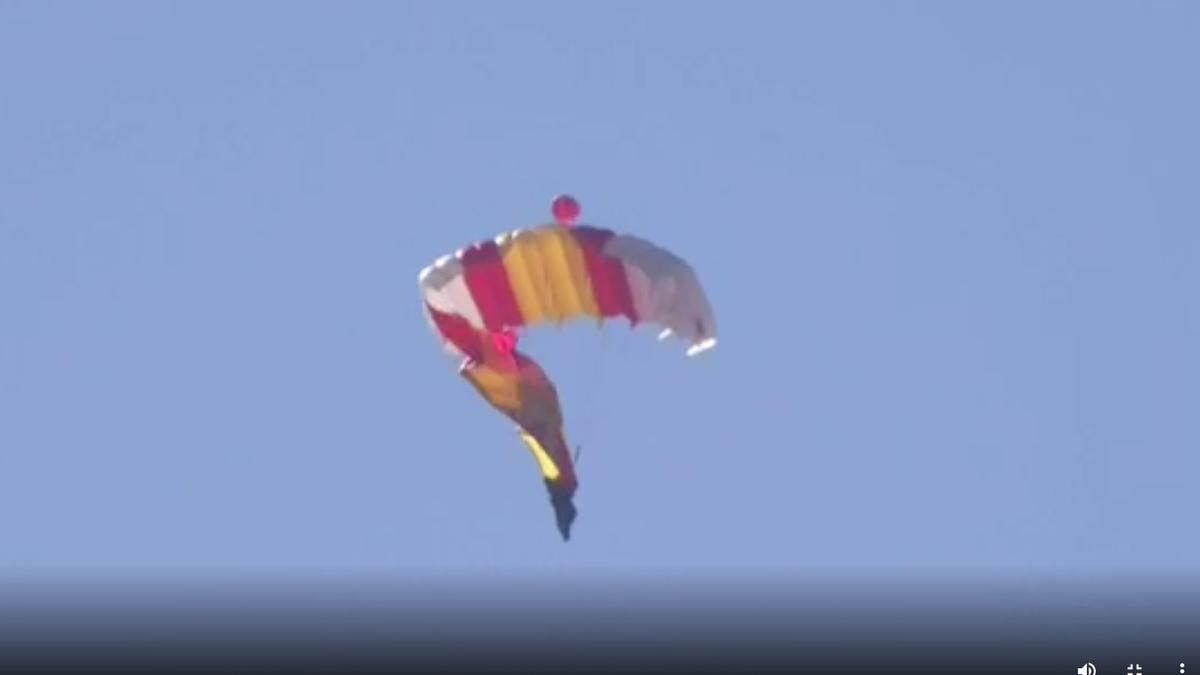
556	274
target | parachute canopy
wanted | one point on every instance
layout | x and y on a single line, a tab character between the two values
557	273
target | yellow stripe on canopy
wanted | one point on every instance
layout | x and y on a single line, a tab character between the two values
558	274
523	266
577	268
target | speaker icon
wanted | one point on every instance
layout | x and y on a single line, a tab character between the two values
1086	669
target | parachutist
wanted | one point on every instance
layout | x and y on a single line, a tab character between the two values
564	509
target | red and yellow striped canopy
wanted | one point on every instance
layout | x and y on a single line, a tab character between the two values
552	273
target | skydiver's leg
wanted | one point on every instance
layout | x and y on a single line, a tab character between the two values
564	507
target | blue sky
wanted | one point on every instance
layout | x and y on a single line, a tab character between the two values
951	246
